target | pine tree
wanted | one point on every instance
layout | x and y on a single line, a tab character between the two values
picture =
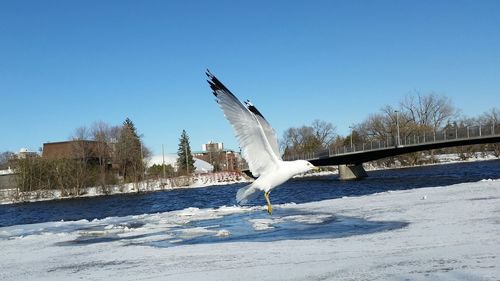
129	153
185	161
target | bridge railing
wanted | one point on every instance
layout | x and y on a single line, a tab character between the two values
449	134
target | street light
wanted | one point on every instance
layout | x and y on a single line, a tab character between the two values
397	126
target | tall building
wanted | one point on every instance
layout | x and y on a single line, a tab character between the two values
25	153
221	159
212	146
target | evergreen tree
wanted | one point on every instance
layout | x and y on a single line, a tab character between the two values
185	161
129	152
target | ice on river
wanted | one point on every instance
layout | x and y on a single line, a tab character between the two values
439	233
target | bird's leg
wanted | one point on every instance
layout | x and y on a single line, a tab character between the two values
269	207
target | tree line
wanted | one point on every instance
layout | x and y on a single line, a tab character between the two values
99	156
116	154
417	116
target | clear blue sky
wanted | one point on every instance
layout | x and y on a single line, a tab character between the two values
65	64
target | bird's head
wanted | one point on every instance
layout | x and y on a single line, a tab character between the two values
304	166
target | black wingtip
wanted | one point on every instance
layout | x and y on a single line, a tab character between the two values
217	87
253	109
215	84
209	74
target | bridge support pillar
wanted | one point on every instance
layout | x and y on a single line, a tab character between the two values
352	172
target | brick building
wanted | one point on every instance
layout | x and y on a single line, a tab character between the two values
87	150
218	157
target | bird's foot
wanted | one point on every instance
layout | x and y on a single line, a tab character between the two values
269	207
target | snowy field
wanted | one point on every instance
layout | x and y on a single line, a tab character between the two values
440	233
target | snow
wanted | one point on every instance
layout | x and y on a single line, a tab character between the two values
455	158
317	174
171	159
195	181
439	233
8	171
442	159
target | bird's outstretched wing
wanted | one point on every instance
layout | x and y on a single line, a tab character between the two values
268	130
255	146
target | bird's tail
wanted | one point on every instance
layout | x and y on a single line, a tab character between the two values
246	194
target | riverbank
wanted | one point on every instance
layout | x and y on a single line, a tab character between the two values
435	233
199	181
196	181
442	159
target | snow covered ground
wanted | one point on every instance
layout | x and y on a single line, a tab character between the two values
171	159
439	233
8	171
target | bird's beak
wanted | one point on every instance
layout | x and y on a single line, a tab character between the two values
316	169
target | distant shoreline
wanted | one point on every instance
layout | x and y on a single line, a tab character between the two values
369	167
195	181
198	181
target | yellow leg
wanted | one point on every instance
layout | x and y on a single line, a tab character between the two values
269	207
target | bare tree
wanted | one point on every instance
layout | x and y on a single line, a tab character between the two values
308	139
81	153
431	110
417	115
324	132
5	158
290	140
491	118
376	127
81	133
101	134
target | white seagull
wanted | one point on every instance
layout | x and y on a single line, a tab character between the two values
258	143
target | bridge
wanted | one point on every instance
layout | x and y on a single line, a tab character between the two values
350	158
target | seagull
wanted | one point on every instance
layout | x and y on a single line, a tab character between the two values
258	143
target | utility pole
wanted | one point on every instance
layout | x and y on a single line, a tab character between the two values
163	160
187	161
397	125
142	162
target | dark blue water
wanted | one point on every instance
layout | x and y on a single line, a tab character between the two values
297	190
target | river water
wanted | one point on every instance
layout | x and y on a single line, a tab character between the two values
298	190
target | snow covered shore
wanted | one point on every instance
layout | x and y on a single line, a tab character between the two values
439	233
442	159
200	180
